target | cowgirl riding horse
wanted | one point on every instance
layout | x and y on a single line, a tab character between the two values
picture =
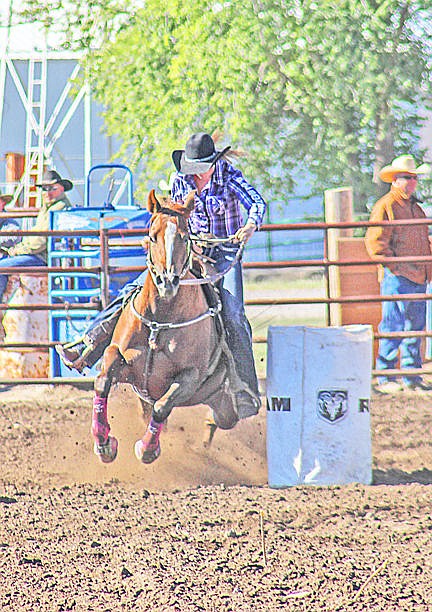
219	189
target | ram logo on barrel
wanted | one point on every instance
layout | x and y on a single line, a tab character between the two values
332	405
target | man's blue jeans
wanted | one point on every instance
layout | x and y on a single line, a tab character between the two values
17	261
400	316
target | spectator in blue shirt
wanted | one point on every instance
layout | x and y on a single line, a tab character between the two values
221	190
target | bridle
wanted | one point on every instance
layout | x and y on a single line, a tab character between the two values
186	265
155	327
188	259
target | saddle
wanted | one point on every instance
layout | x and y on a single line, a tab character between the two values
213	298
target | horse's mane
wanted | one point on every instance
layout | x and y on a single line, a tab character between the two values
170	206
166	205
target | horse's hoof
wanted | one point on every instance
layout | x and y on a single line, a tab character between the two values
147	455
107	452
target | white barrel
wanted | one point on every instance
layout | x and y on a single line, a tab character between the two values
318	398
25	326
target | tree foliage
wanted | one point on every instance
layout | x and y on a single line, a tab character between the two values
334	88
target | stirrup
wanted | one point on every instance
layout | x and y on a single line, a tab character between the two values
74	343
72	355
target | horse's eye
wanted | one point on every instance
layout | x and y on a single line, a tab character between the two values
152	238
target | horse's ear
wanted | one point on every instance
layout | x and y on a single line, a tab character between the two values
153	204
189	202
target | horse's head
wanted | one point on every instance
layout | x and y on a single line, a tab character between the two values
168	244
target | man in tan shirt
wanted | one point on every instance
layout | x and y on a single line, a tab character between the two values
400	277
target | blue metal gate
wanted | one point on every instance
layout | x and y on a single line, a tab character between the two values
81	287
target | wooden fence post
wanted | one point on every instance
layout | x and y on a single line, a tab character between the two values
338	208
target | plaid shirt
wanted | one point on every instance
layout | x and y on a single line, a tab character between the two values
217	208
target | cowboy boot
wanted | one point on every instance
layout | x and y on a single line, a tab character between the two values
87	350
73	354
247	403
247	398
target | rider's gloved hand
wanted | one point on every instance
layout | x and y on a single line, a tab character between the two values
243	234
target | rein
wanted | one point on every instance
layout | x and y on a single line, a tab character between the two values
214	277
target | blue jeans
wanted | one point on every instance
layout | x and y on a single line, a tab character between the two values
17	261
237	327
400	316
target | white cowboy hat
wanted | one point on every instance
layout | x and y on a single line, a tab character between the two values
402	164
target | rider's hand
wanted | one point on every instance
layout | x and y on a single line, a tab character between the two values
243	234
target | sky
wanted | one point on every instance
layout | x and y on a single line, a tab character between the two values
22	37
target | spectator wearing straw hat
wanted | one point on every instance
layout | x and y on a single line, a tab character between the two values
400	278
31	251
7	225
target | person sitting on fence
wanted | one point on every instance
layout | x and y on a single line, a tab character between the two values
398	278
7	225
31	251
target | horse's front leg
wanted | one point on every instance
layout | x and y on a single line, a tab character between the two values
105	446
148	449
181	390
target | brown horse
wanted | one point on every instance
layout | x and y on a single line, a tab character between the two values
168	343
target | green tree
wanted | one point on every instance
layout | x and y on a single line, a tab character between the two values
334	88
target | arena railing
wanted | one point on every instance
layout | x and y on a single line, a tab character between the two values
325	263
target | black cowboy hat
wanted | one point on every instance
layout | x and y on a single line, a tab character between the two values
51	177
6	198
198	156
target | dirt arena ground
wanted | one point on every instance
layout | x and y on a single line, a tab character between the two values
200	529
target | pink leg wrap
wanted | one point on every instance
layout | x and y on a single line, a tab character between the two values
100	427
151	436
